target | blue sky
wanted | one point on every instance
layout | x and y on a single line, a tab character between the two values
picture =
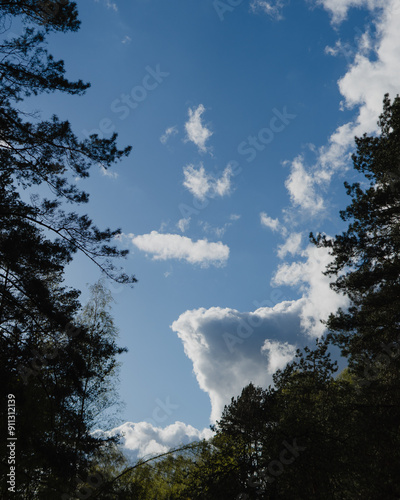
241	116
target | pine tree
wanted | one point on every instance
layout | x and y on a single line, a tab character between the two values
366	266
366	256
44	349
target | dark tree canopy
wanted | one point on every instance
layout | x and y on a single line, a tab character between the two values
53	15
55	362
367	256
34	152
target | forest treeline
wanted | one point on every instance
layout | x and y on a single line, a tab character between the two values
315	433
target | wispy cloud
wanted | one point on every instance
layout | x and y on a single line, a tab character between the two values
195	130
202	184
183	224
272	8
170	131
126	39
271	223
107	173
339	8
219	231
174	246
109	4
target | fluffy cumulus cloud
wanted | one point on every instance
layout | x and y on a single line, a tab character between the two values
204	185
302	185
229	349
144	439
279	354
319	300
373	70
373	74
292	245
164	246
196	132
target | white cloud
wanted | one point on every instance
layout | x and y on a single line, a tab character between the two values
144	439
108	173
183	224
170	131
272	8
373	71
219	231
339	8
202	184
196	181
222	185
271	223
126	39
195	130
279	354
110	5
228	348
367	80
174	246
319	299
363	44
302	188
292	245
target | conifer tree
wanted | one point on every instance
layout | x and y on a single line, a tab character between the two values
366	257
366	267
44	347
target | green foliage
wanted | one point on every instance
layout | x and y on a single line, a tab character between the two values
163	477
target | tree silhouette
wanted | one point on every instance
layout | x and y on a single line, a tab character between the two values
51	361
